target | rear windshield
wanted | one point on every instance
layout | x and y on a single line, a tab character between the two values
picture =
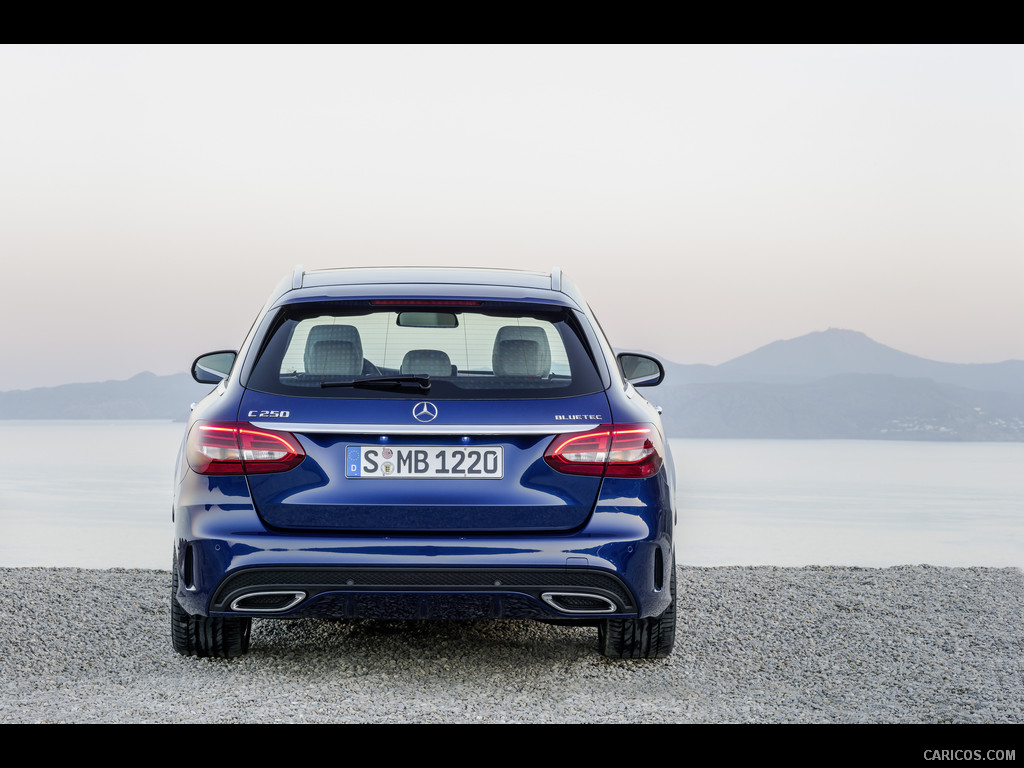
452	352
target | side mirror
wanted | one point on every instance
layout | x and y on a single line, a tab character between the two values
213	367
641	370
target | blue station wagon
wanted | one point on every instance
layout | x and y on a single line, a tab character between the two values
412	443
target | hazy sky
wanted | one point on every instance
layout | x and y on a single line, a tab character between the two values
708	200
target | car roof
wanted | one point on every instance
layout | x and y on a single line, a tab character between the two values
348	282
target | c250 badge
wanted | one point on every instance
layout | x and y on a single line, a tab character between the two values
269	414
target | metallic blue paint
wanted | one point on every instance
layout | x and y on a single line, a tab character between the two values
532	518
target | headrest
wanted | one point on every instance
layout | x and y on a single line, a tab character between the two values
318	333
433	362
531	356
334	358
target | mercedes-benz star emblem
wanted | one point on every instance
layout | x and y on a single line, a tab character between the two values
424	411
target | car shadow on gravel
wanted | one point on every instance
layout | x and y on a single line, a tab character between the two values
521	640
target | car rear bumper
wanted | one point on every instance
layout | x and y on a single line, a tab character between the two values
232	564
423	593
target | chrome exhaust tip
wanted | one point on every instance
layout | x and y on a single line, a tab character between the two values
579	602
267	602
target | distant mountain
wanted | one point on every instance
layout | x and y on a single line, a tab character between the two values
846	406
144	396
842	384
835	351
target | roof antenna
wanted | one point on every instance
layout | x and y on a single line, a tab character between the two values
297	277
556	279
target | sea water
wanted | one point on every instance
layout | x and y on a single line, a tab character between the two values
867	503
98	494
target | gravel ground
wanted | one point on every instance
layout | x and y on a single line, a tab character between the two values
912	644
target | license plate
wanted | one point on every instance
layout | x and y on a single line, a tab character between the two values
425	461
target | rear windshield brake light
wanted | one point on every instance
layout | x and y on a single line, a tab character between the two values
424	303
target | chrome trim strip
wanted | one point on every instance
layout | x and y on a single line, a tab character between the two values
551	599
298	597
428	429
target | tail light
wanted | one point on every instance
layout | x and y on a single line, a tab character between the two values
611	450
239	448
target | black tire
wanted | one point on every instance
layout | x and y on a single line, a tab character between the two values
650	638
222	638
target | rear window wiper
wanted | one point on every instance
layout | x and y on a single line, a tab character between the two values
383	382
